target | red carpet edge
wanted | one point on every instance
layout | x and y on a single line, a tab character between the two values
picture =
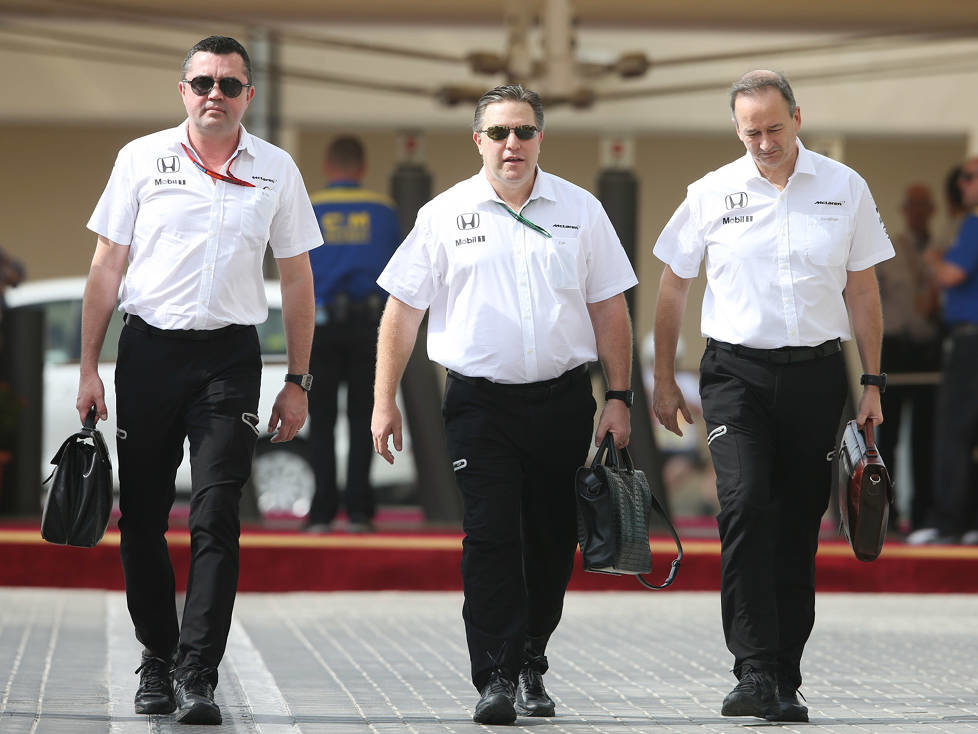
278	562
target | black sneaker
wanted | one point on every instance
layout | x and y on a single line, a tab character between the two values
498	702
790	708
755	695
531	696
195	697
155	692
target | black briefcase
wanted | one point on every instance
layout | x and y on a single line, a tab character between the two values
79	501
614	507
865	491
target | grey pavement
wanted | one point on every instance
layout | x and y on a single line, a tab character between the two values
396	662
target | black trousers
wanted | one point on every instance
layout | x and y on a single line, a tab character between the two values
169	388
956	436
342	352
516	450
906	355
771	433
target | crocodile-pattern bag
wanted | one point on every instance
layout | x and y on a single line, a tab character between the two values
79	501
614	507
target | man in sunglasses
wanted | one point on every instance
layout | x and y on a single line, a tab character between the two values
190	211
790	239
523	277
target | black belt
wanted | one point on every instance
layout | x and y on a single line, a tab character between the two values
781	355
963	328
528	390
135	322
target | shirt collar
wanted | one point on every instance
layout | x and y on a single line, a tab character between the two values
347	183
543	187
804	163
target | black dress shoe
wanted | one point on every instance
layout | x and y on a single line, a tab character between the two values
531	696
755	695
195	697
155	692
498	702
790	708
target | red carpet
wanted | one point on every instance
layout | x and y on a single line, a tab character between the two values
293	561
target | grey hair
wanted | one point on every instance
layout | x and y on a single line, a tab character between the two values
750	82
506	93
221	46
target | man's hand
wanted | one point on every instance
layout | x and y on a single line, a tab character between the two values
869	407
91	392
386	422
288	413
615	417
667	403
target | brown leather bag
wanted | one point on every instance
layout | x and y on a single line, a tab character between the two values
865	491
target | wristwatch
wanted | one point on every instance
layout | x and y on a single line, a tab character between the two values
878	380
303	381
626	396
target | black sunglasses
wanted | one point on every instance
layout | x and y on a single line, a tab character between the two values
230	87
501	132
967	175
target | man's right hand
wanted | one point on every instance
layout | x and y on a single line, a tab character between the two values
91	392
668	402
386	422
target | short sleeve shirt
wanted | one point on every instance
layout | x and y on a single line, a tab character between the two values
505	301
961	301
196	245
776	261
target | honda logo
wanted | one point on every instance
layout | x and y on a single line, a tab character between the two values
736	201
468	221
170	164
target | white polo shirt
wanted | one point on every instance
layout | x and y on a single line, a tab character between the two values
195	244
506	302
776	261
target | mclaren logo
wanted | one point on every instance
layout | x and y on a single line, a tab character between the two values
170	164
468	221
736	201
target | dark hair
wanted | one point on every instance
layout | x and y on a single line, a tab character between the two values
222	46
504	93
346	152
750	82
952	188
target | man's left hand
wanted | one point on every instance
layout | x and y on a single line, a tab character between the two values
615	417
288	413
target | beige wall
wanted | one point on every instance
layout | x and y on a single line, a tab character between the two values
54	176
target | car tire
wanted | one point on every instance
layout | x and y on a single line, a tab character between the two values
283	478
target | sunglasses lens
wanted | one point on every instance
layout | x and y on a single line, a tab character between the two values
525	132
201	85
497	132
231	87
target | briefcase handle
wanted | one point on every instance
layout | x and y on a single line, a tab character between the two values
608	455
869	436
89	425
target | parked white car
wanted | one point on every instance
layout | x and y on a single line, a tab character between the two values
282	473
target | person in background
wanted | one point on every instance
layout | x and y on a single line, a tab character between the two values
789	239
361	231
956	432
911	347
185	218
523	277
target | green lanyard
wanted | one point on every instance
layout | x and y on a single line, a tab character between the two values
523	220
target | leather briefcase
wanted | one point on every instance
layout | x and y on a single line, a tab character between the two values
865	491
614	505
79	502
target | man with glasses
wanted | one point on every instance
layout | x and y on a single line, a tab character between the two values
190	210
790	239
523	277
956	272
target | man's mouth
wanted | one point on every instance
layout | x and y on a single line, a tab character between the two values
512	159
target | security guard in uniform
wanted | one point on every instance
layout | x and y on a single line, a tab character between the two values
790	239
523	277
190	211
361	231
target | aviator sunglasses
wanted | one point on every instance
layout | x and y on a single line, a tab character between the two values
501	132
230	87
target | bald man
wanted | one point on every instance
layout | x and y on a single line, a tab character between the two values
783	232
